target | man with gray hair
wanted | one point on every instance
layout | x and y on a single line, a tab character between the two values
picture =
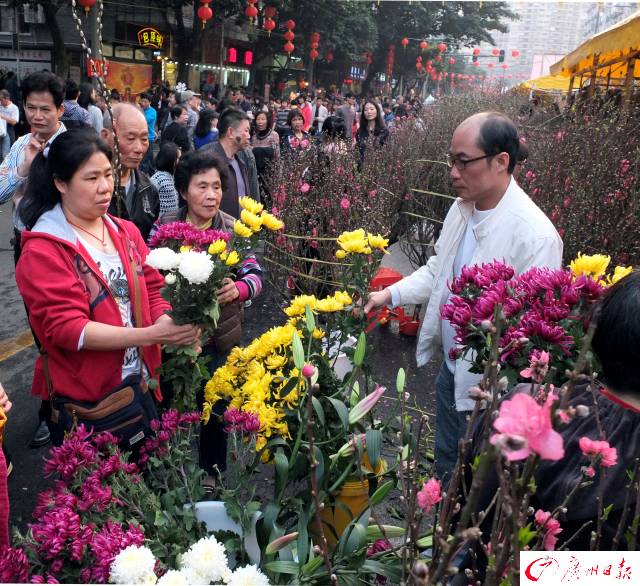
138	198
192	102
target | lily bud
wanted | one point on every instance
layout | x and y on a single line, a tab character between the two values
278	544
364	406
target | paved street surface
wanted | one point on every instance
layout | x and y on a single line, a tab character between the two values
17	355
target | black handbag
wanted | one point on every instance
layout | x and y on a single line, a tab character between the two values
126	411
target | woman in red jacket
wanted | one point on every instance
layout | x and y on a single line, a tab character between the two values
79	275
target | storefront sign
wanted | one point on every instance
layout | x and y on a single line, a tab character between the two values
97	67
129	79
150	37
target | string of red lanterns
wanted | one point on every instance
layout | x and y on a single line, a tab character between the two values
315	43
269	24
289	36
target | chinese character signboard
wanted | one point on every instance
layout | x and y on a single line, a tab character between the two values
150	37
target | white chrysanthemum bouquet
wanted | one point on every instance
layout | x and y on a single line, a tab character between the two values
195	264
205	562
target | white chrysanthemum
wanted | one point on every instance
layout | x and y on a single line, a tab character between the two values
163	259
133	565
195	267
205	561
174	578
248	576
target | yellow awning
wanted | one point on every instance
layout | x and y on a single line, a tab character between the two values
548	83
611	44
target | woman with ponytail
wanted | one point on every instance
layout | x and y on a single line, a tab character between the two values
83	278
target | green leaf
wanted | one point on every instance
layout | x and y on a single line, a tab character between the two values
525	535
282	469
312	566
303	537
393	574
311	322
606	512
160	519
425	542
400	381
282	567
355	395
374	446
317	407
374	532
358	357
379	495
298	352
341	410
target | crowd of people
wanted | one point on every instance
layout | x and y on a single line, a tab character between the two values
80	244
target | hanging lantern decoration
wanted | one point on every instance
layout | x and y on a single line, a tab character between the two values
442	47
495	52
204	12
313	54
87	5
476	51
405	42
515	53
315	43
269	25
424	45
452	61
315	37
289	36
269	11
251	11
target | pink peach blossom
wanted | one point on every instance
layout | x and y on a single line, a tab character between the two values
609	455
551	528
430	494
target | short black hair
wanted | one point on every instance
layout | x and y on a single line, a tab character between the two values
177	110
498	134
334	127
349	95
71	90
167	157
294	113
145	96
230	118
195	162
43	81
617	336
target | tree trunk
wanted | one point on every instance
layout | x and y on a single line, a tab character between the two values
182	48
60	58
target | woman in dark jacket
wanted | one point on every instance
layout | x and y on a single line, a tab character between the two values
177	130
372	130
200	179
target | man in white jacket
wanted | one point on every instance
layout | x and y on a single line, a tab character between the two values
492	219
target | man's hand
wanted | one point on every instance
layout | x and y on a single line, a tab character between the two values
31	149
228	292
378	299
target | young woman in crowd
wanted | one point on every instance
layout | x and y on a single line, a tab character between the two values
165	163
200	179
206	130
93	303
372	129
265	144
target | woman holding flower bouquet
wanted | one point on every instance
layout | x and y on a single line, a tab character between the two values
201	179
93	302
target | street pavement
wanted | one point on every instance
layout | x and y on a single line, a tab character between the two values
18	353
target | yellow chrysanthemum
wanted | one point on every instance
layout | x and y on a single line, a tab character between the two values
594	265
241	229
329	305
318	334
252	220
619	273
232	259
206	411
355	241
275	361
217	247
185	248
246	203
377	242
270	222
343	297
298	304
340	254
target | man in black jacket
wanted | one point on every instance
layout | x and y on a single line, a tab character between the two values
138	199
233	126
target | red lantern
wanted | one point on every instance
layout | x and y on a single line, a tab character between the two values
269	25
314	45
515	53
442	47
205	13
270	11
289	36
87	5
476	51
348	81
315	37
495	52
404	42
251	12
313	54
288	47
290	24
424	45
452	61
